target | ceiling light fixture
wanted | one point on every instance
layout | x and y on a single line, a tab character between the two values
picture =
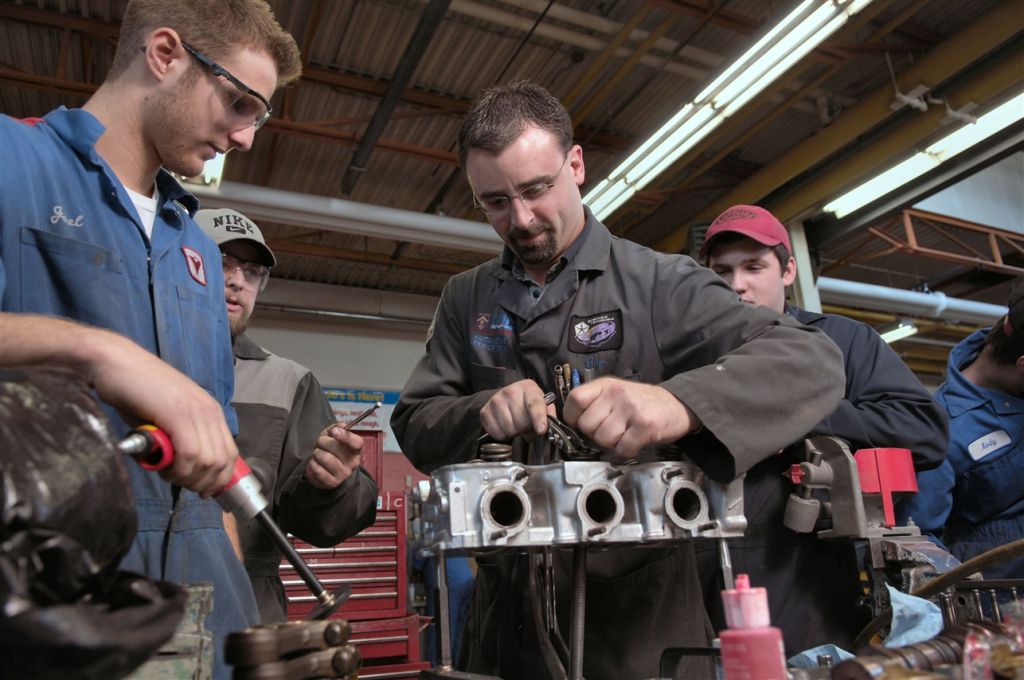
784	45
898	330
935	155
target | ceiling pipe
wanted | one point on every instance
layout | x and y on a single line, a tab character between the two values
930	305
347	316
349	217
339	215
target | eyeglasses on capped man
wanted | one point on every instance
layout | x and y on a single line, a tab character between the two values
255	274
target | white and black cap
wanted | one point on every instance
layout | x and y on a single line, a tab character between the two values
225	225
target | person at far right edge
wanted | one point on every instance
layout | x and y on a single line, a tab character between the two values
812	584
974	501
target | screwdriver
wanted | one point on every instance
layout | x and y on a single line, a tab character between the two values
152	449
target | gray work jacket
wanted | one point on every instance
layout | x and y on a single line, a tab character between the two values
756	379
281	412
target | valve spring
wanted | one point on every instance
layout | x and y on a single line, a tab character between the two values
495	453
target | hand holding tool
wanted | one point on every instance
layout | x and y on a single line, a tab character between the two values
242	497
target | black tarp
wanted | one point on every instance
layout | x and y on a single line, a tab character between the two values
66	520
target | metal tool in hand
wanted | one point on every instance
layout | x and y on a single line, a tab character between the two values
362	416
569	442
549	398
151	447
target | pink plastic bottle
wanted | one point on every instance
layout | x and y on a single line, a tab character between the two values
751	648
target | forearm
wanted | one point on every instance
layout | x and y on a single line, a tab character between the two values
918	424
763	396
137	383
326	517
32	339
438	430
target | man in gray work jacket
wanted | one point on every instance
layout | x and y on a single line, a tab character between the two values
310	469
677	360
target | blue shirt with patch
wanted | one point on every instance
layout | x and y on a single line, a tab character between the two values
72	245
975	500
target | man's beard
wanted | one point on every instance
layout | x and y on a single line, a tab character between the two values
534	254
238	325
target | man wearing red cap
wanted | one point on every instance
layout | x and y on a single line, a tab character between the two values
884	405
975	500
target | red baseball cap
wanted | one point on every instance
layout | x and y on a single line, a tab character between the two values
753	222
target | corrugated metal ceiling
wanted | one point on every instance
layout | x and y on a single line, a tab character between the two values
354	48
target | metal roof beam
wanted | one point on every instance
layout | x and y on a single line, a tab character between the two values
965	47
414	50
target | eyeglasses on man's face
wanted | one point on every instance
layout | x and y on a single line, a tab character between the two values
497	204
254	273
245	102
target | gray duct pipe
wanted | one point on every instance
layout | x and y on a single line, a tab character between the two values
264	204
929	305
335	214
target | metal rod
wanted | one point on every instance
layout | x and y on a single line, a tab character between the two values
997	615
725	561
444	630
362	416
281	541
579	607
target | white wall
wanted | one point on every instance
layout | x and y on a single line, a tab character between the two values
341	353
994	196
348	354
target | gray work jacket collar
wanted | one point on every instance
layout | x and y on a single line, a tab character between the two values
592	255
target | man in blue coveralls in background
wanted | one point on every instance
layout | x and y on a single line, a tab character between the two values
974	502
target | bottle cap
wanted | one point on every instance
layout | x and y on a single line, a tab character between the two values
746	607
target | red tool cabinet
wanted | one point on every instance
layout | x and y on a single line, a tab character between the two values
374	563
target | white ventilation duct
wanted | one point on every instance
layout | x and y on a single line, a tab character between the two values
928	305
263	204
350	217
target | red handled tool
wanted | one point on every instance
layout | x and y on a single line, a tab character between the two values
242	497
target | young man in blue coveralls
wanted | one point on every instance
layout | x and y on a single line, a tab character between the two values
102	268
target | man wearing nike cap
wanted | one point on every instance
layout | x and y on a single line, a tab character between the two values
884	405
309	467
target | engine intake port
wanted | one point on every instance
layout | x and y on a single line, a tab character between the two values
506	509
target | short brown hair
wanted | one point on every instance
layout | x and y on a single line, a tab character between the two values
501	113
215	27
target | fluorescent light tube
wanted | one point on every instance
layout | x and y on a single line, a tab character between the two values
949	146
787	42
899	330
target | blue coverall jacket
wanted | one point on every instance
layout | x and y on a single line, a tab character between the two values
975	501
72	245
